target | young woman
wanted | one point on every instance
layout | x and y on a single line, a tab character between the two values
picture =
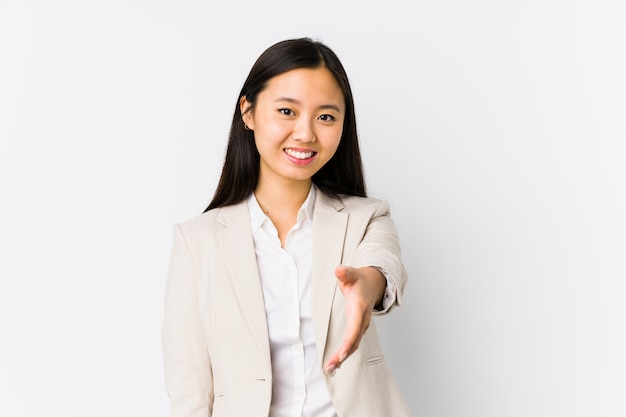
271	290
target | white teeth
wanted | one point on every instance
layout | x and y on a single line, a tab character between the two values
299	155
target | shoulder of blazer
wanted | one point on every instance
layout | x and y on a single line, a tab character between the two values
353	204
215	220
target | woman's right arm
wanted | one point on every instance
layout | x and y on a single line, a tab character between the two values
188	376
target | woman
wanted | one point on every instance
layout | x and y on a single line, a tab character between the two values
271	290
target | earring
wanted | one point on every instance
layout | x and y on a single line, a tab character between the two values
245	126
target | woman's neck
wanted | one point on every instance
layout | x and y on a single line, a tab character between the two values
281	198
281	204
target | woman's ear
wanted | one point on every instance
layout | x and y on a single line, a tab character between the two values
245	107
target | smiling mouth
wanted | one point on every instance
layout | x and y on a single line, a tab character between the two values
300	155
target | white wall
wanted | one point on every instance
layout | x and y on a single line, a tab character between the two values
496	129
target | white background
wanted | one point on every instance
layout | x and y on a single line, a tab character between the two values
496	129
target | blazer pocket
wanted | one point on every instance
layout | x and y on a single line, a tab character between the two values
375	360
221	405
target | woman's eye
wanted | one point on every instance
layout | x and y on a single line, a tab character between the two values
286	112
327	118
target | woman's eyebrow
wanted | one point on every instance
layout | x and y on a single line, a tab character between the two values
323	106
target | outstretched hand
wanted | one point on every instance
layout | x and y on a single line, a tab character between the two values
363	289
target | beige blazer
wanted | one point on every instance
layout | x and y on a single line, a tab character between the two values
215	339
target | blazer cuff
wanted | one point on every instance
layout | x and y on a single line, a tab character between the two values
390	296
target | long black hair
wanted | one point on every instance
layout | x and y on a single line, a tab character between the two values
342	175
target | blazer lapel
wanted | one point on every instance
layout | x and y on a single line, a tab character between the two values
237	247
329	230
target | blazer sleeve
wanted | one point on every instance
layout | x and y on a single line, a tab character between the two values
187	366
380	248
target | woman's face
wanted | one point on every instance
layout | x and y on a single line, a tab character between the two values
297	123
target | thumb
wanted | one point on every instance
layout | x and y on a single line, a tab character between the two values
345	274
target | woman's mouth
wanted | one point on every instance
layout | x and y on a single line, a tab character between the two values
300	155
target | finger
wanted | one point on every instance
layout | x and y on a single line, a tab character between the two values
351	339
348	347
354	331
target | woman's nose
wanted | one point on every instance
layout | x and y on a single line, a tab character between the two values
303	130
